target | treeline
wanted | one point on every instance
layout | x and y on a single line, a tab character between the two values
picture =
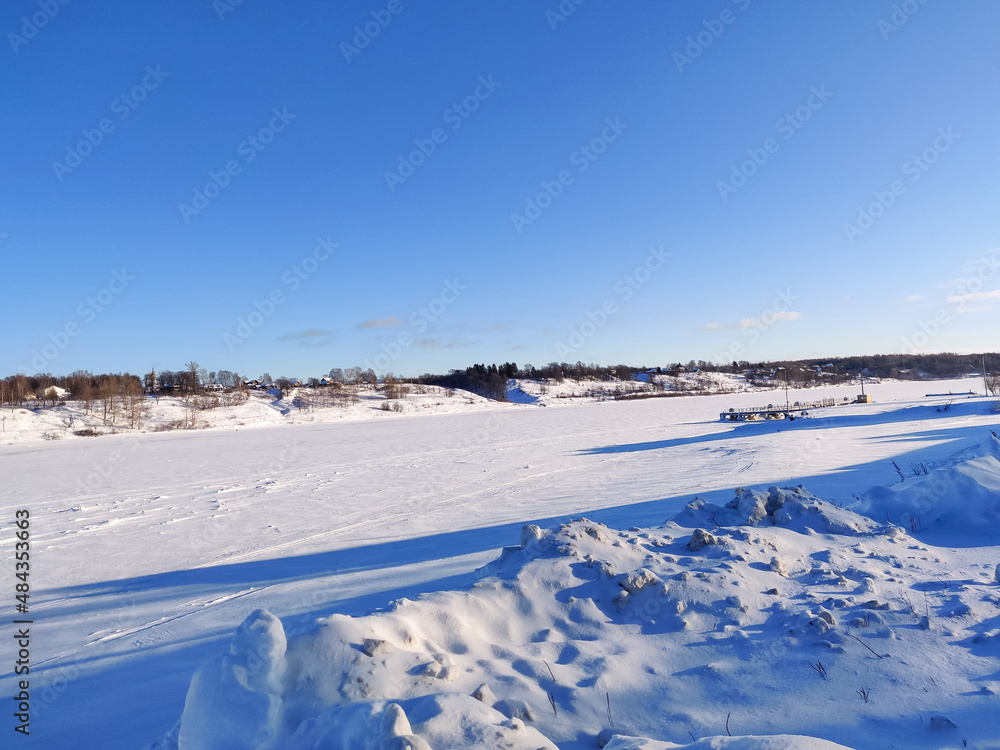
81	385
879	366
490	381
117	399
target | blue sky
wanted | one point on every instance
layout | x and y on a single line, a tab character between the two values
417	186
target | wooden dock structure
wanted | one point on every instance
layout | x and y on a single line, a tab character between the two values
772	411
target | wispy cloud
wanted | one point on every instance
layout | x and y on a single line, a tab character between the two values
747	323
965	303
913	298
437	344
312	337
380	323
961	299
989	258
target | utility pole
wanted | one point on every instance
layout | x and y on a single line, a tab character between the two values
986	391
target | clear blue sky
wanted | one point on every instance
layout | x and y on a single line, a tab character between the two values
236	144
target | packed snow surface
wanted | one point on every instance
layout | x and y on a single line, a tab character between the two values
665	580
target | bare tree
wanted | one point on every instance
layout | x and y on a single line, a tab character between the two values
20	389
106	391
192	368
134	399
242	390
992	383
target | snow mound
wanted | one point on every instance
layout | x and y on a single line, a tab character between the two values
790	507
329	691
956	502
234	700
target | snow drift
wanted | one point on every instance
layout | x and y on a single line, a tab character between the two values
956	501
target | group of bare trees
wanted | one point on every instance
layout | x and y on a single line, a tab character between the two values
192	378
119	400
352	376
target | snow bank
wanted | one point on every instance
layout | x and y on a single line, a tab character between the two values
956	502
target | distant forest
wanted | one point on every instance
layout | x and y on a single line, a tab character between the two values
491	380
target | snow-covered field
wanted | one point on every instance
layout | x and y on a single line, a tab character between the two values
150	549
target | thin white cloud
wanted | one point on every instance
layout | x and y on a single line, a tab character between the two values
961	299
311	338
766	320
380	323
989	259
304	335
436	344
